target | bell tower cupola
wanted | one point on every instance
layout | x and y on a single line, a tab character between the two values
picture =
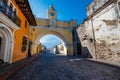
52	13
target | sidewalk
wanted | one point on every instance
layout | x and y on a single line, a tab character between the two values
105	62
7	70
109	63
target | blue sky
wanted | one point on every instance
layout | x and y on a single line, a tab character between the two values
66	9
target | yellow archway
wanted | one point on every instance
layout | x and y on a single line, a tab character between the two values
64	35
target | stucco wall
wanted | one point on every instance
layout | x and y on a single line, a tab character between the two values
18	37
65	35
104	28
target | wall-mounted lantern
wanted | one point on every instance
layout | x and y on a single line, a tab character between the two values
91	40
85	37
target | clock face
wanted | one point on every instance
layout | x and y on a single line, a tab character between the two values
52	14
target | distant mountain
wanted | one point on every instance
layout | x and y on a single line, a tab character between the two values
50	41
50	45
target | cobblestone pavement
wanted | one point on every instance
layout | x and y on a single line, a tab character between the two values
53	67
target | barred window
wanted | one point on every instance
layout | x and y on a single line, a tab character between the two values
25	24
24	44
10	10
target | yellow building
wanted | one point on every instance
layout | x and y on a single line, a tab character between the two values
15	20
35	48
62	29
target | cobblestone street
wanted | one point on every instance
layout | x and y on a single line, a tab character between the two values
56	67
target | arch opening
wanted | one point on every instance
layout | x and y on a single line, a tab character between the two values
6	44
56	34
53	44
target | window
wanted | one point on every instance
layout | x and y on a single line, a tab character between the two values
3	6
0	4
25	24
24	44
14	13
10	10
119	6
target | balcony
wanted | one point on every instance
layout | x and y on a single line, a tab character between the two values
8	16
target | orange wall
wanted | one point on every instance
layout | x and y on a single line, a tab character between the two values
18	36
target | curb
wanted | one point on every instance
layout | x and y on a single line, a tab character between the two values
17	68
112	64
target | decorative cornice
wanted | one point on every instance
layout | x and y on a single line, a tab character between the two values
4	19
26	9
101	8
56	28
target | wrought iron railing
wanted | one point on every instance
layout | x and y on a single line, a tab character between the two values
6	10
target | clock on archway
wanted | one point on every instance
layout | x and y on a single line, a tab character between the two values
52	14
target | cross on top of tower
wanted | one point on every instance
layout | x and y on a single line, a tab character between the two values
52	7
